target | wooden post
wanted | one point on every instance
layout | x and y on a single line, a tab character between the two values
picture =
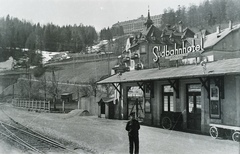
49	106
13	91
238	99
78	103
63	106
37	105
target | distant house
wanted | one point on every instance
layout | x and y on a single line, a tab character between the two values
137	25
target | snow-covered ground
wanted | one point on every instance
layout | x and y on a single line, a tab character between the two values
8	149
47	56
7	65
96	48
99	135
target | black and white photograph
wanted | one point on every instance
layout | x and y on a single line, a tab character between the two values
119	77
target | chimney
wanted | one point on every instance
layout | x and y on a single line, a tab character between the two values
218	29
203	35
230	24
180	26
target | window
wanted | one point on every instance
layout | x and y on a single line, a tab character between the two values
167	98
132	65
143	49
147	106
148	97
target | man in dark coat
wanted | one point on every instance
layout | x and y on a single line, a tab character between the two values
132	127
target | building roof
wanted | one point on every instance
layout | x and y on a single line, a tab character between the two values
66	94
217	68
106	100
214	38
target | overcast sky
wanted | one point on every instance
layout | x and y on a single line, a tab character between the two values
97	13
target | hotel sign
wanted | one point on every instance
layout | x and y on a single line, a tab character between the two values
176	52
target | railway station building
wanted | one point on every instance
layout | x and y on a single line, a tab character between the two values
178	79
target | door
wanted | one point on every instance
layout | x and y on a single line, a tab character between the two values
136	105
102	108
194	107
111	110
135	102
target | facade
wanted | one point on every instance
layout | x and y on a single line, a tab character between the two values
137	25
188	81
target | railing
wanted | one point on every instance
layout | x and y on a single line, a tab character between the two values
32	105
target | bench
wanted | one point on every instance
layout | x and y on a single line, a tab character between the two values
217	130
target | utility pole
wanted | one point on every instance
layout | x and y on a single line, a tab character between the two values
55	91
45	87
29	78
13	90
109	64
30	84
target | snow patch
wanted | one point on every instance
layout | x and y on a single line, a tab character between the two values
77	112
7	65
47	56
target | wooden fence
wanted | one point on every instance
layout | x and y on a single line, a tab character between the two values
32	105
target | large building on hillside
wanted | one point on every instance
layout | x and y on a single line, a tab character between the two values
189	81
137	25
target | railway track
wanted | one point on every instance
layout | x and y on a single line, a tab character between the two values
28	140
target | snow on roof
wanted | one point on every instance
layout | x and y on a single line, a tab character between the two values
214	38
66	94
106	100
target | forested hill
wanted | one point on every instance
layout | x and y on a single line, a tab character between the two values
205	15
19	34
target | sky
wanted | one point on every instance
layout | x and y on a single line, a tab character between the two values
98	13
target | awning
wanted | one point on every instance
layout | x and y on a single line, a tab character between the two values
217	68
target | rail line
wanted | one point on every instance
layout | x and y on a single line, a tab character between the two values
29	140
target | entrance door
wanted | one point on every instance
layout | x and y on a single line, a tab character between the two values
102	108
194	107
135	105
135	102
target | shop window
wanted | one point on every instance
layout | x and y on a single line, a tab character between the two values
215	108
167	98
148	99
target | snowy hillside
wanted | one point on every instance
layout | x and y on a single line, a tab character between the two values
53	56
7	65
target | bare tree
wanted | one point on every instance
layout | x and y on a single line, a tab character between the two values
108	89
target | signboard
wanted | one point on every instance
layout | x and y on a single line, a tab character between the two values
176	53
215	110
